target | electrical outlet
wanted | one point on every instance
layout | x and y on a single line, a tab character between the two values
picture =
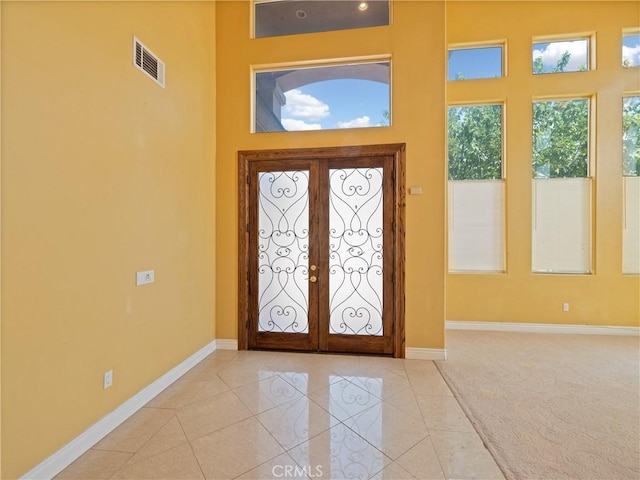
142	278
565	307
108	379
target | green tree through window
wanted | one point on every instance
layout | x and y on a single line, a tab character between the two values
561	138
631	136
560	132
580	47
475	142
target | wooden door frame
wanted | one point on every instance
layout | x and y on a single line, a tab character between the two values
397	151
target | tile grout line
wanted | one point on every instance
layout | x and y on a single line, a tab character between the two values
191	447
324	412
427	426
126	464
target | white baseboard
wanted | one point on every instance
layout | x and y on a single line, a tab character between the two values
60	460
226	344
542	328
425	353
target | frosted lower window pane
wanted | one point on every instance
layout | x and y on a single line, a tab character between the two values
476	226
283	251
355	251
631	226
561	225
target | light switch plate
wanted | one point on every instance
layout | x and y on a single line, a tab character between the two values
142	278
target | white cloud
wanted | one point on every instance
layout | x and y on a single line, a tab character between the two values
359	122
632	54
293	125
554	51
305	106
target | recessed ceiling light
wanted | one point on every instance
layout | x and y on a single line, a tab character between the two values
301	14
363	6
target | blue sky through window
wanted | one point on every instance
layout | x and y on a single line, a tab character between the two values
473	63
631	50
356	103
551	52
331	104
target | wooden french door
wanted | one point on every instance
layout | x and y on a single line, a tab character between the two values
322	250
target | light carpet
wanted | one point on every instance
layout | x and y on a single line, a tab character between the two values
551	406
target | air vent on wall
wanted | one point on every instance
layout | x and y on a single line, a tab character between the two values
146	61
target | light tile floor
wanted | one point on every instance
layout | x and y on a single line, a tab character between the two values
271	415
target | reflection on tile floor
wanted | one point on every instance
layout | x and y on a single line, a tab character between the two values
264	415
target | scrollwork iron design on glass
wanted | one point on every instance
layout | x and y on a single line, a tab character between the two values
283	251
291	421
352	456
355	251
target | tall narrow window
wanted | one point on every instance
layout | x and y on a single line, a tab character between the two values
476	189
631	136
561	186
561	56
631	184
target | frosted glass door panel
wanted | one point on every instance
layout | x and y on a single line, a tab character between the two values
283	252
355	251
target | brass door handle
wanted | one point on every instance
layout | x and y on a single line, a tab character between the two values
313	279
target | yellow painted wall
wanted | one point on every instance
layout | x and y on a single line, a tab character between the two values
606	297
416	41
104	173
0	243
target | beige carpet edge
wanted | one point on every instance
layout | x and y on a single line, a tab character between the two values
501	461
